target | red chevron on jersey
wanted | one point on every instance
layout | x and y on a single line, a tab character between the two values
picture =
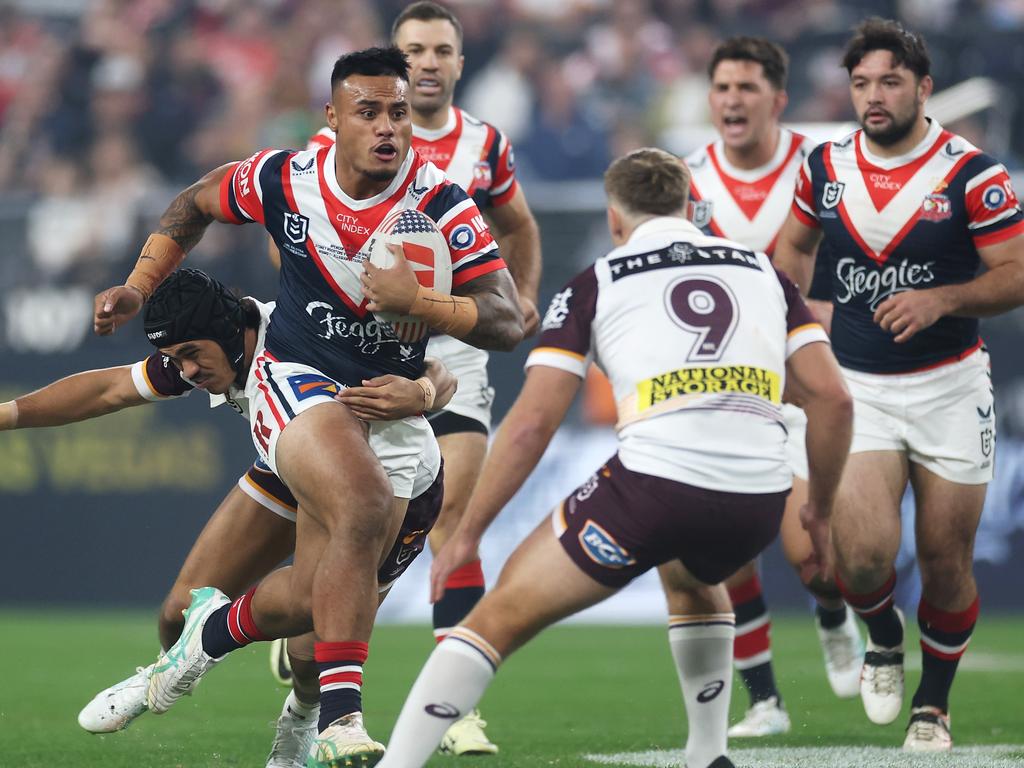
473	154
748	206
322	138
880	200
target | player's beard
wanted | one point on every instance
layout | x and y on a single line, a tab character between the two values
894	132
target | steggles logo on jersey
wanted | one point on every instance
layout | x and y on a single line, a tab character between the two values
832	194
876	285
295	227
369	337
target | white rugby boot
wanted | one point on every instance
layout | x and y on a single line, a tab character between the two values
928	731
178	670
467	737
115	707
345	744
881	680
843	648
765	718
295	734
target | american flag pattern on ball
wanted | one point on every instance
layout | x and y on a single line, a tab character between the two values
324	237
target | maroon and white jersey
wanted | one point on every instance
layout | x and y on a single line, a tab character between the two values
323	234
474	154
902	223
693	332
748	206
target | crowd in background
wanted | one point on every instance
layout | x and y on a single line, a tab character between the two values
108	105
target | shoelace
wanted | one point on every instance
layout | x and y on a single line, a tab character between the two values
884	679
925	730
840	650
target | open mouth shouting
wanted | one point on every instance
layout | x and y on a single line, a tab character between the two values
734	125
386	151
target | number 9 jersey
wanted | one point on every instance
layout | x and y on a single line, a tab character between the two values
693	332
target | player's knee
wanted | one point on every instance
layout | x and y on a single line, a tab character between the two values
862	569
942	570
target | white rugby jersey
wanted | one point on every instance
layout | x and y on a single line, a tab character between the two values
693	332
748	206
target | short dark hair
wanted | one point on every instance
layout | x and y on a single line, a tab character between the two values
769	55
425	10
372	62
877	34
649	181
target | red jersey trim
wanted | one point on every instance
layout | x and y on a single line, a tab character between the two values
999	236
947	361
804	218
505	197
464	276
225	196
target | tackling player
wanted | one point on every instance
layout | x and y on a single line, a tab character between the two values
700	478
909	212
253	530
322	207
742	189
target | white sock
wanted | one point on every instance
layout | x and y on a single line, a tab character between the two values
299	709
702	649
449	686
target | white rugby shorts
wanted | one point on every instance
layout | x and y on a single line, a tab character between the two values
280	391
943	419
796	442
474	396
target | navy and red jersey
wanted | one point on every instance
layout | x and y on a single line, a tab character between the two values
474	154
897	224
323	235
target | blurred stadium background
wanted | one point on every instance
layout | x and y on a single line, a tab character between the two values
108	107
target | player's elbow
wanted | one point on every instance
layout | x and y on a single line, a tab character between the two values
833	400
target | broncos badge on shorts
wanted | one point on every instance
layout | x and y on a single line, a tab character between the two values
602	548
308	384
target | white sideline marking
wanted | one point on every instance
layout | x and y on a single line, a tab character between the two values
989	756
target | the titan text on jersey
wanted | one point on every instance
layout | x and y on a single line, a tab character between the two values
321	318
693	333
898	224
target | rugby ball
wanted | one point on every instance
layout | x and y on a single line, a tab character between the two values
427	252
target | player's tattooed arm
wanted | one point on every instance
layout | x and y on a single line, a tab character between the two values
499	324
194	209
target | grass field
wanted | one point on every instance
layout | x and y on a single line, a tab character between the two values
578	696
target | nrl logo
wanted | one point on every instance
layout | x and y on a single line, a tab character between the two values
295	227
701	212
832	194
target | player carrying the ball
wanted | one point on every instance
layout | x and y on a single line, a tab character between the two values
322	208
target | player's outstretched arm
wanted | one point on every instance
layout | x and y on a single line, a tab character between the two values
815	383
483	311
521	441
79	397
518	236
181	227
386	398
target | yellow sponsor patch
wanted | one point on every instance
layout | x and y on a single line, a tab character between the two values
713	380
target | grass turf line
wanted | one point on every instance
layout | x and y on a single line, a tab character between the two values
578	690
